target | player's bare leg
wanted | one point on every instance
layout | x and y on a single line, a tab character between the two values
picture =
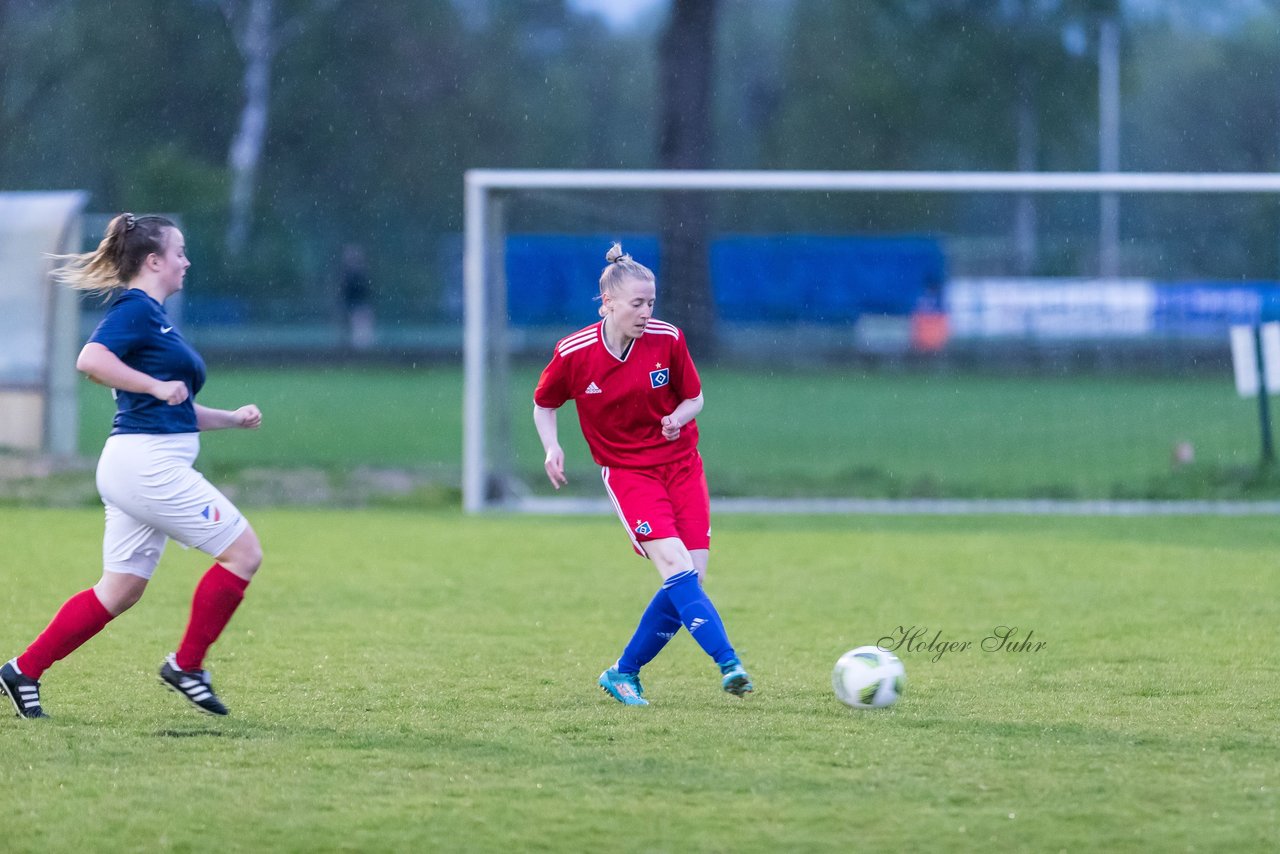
119	591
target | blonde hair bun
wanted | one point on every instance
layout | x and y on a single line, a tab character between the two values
615	254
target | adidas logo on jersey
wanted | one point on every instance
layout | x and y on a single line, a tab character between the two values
594	389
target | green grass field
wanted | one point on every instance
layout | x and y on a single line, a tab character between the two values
806	434
407	681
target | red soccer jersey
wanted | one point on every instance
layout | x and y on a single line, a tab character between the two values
621	402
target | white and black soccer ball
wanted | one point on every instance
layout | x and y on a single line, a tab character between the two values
869	678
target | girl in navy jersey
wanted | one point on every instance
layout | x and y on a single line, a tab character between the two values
637	393
145	475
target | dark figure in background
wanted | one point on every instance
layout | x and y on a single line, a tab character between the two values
356	304
929	327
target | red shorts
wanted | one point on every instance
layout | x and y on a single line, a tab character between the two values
664	501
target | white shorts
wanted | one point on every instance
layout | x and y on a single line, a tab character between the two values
152	493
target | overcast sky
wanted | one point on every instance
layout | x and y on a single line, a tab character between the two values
1190	14
620	14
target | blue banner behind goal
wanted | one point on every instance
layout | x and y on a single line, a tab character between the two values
551	279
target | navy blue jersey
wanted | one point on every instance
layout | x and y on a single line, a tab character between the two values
138	331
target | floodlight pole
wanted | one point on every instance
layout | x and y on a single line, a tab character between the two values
497	418
1109	145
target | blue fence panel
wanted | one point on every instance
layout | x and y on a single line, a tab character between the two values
822	279
1207	309
551	278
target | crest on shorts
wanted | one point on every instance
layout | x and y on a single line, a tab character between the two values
212	513
657	379
644	529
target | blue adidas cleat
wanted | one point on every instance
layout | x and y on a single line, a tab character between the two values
623	687
735	681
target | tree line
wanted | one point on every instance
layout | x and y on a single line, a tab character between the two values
281	130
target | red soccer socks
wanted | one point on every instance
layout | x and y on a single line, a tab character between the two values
216	598
80	618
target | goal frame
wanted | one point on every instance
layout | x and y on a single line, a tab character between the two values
484	290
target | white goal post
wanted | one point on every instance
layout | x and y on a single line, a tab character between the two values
484	288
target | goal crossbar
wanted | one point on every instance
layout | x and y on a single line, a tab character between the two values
936	182
482	261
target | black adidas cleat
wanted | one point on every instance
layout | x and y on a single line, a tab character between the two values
22	691
192	685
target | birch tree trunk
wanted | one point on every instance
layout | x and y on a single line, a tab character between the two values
253	26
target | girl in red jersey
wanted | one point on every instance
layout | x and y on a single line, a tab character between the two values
637	393
145	475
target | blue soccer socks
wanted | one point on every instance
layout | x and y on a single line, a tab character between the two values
680	601
658	624
698	615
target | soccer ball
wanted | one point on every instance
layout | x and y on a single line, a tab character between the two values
868	678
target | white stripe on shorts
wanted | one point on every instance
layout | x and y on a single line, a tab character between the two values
604	475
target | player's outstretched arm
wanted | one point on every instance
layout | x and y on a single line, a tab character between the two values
246	417
545	421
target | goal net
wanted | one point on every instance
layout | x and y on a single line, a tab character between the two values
947	340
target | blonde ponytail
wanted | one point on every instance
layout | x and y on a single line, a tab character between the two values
127	243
